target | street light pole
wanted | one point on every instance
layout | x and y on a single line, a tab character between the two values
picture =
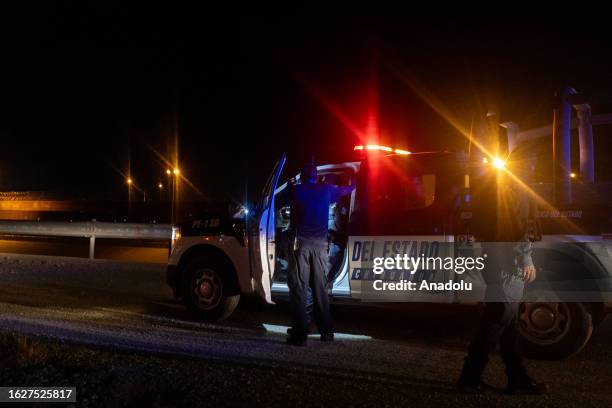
171	195
129	183
176	194
173	176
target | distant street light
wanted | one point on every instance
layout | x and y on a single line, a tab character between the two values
176	172
129	181
160	186
168	172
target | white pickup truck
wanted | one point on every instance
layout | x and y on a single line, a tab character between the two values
419	202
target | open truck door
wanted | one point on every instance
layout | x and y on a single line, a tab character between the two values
262	245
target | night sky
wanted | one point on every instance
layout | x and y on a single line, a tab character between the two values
85	89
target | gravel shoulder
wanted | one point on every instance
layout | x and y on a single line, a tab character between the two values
112	330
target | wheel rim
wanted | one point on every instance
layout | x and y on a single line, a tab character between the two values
206	288
544	323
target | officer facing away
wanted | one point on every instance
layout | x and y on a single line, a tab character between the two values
310	203
508	268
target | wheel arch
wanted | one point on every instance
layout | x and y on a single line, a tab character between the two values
572	267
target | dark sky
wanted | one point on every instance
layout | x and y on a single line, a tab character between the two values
84	89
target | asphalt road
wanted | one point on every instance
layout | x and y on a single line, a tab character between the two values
405	355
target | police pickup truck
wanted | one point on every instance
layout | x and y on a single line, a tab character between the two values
413	202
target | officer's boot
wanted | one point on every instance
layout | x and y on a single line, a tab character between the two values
470	380
521	383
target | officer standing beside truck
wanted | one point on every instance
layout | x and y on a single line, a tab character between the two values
508	268
310	202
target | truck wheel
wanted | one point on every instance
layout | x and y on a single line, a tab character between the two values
207	289
553	331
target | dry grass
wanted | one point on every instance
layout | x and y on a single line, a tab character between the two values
102	378
20	351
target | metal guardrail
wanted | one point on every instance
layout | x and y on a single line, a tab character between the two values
89	229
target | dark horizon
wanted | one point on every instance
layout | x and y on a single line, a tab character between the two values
84	90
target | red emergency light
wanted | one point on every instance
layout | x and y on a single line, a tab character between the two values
379	148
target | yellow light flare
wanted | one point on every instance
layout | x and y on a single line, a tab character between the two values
176	172
499	163
572	175
130	181
160	185
447	114
171	165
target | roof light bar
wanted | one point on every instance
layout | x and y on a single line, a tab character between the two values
400	151
380	148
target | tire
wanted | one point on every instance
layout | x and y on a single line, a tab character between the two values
207	288
553	331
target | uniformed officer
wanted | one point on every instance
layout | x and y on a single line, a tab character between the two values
508	267
310	203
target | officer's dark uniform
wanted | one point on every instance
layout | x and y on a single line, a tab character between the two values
310	203
506	259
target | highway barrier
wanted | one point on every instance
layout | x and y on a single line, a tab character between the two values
89	229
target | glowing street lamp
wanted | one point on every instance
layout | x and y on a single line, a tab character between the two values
168	172
176	172
499	163
129	181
